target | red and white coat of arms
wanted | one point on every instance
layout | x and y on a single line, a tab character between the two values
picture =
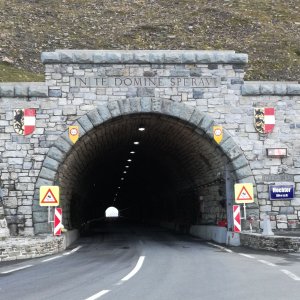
264	119
24	121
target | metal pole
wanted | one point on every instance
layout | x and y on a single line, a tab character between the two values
229	196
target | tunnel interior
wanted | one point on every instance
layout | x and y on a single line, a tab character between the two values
169	172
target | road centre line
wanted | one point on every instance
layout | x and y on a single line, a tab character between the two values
98	295
290	274
135	269
17	269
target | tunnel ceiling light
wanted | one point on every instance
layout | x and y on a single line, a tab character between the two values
142	128
119	187
124	172
132	152
129	160
122	178
136	143
126	166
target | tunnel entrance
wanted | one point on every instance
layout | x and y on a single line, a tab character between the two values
169	172
172	171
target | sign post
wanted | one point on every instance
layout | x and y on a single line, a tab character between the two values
49	196
243	193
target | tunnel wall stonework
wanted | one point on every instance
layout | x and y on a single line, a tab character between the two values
204	88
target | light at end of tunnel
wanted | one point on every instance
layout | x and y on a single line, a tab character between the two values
136	143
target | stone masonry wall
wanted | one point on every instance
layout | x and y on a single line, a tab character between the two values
67	95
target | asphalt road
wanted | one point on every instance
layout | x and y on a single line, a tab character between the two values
147	263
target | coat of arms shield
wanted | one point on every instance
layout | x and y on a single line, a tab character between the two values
264	119
24	121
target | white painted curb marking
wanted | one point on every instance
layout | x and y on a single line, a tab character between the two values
290	274
17	269
98	295
51	258
267	263
135	270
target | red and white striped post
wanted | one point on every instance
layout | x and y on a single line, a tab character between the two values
57	221
236	218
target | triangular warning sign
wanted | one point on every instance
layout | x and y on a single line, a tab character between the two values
244	195
49	198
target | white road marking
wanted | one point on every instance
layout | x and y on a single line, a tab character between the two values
220	247
17	269
98	295
267	263
290	274
135	269
73	250
246	255
52	258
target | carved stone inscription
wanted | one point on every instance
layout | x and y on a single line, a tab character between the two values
194	82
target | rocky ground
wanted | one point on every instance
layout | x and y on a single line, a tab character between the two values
268	30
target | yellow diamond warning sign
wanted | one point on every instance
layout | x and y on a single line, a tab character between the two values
243	193
49	195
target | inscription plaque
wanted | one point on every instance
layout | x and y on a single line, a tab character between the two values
155	82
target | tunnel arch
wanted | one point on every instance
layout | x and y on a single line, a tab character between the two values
191	121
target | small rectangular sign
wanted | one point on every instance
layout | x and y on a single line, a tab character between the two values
281	192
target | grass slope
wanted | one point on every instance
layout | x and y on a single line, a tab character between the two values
268	30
